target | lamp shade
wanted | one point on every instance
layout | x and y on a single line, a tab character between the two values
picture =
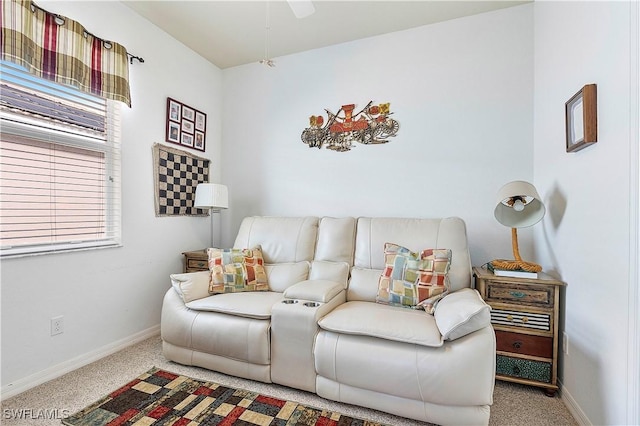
518	205
211	196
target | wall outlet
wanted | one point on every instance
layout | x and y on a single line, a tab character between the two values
57	325
565	343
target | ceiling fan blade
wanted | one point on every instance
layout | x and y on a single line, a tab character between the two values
301	8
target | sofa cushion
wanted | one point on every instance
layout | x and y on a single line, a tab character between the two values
331	271
283	275
384	322
283	239
363	284
411	277
461	313
315	290
336	239
191	286
415	234
249	305
236	270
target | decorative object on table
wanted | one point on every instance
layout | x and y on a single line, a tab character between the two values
162	397
514	273
186	126
518	206
372	125
212	196
176	174
581	114
525	315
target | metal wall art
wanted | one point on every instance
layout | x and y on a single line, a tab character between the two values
372	125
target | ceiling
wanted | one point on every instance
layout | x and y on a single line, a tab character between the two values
231	33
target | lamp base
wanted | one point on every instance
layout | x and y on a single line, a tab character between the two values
512	265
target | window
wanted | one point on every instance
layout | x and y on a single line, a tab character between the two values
59	167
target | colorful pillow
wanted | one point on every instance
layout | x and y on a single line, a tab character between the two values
236	270
430	304
410	278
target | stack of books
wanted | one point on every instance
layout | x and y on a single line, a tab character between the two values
516	273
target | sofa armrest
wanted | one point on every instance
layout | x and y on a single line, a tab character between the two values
191	285
320	291
460	313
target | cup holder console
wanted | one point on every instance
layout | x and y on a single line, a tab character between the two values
307	304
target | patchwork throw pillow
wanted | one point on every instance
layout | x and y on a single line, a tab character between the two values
410	278
236	270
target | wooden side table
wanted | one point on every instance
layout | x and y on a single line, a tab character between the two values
196	260
524	315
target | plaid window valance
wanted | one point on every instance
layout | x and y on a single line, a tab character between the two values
60	49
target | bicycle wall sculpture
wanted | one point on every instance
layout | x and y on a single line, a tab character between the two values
372	125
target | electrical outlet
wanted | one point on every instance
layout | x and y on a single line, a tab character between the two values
565	343
57	325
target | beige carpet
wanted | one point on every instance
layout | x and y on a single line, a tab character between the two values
513	404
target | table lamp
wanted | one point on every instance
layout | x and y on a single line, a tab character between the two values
518	206
211	196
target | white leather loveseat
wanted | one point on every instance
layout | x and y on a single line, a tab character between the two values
319	328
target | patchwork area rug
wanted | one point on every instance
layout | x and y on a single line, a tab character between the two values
159	397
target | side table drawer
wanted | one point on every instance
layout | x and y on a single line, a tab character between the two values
531	295
196	260
200	264
523	368
519	319
524	344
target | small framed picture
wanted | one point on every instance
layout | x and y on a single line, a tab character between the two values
199	141
187	139
581	119
174	108
173	132
201	121
188	113
186	126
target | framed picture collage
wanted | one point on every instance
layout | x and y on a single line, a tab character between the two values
186	126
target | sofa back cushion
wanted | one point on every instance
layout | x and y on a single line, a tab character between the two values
283	275
414	234
336	239
283	239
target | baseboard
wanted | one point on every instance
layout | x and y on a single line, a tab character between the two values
22	385
573	407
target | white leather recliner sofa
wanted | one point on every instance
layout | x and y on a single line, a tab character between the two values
320	329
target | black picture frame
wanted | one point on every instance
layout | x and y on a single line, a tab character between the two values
186	126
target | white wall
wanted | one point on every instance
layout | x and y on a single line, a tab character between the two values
585	236
109	295
462	92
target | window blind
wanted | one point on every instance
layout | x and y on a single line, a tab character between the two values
59	167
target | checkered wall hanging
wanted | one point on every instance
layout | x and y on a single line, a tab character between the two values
176	174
